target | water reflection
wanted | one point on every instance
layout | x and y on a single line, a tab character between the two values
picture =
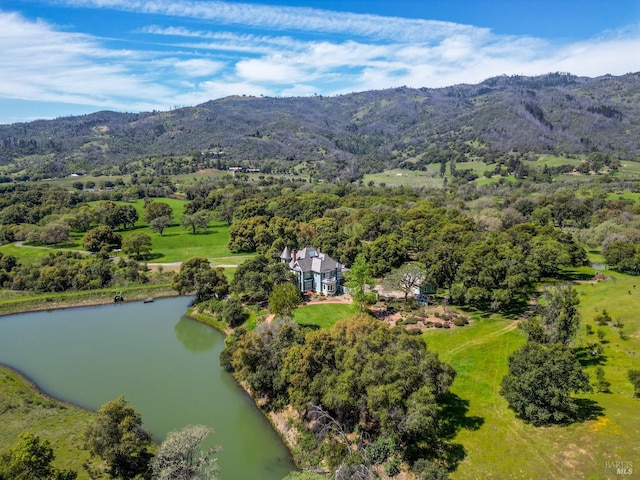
195	337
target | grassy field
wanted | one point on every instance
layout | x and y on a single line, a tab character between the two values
411	178
24	409
498	445
175	244
323	315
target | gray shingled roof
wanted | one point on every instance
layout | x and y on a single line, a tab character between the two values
308	259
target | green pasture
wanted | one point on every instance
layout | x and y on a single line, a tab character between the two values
412	178
69	181
174	245
24	409
25	255
497	444
177	244
553	161
624	195
629	168
323	315
475	166
495	179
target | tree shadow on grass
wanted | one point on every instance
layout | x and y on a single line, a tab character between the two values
151	256
453	418
516	308
310	326
587	409
586	357
573	276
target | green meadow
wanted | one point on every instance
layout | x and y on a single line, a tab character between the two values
175	244
499	445
412	178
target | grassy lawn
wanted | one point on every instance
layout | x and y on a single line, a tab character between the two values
25	255
505	447
175	244
23	409
322	315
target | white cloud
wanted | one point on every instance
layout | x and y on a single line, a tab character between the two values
40	63
198	67
275	69
289	18
261	53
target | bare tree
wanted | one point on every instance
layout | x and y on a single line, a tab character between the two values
180	458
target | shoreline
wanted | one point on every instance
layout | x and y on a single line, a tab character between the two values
284	436
33	385
25	305
273	418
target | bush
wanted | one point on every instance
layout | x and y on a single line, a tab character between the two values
233	313
460	321
392	467
414	331
427	470
438	324
410	321
602	318
380	450
446	325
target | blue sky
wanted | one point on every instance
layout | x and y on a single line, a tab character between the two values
69	57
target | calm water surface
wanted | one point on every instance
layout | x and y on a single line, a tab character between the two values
165	364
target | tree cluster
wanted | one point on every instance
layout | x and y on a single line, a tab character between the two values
359	376
545	371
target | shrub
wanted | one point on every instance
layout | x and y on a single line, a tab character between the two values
460	321
233	313
392	467
437	324
380	450
602	318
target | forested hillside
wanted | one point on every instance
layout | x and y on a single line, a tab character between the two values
342	136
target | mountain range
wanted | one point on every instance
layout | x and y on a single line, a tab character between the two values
344	135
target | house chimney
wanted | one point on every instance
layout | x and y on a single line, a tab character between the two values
293	256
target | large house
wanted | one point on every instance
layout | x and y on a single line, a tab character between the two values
316	271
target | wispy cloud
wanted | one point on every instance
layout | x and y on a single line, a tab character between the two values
290	18
235	48
40	63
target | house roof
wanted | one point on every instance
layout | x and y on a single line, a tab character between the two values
286	254
310	260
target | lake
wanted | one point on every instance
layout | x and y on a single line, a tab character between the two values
164	363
